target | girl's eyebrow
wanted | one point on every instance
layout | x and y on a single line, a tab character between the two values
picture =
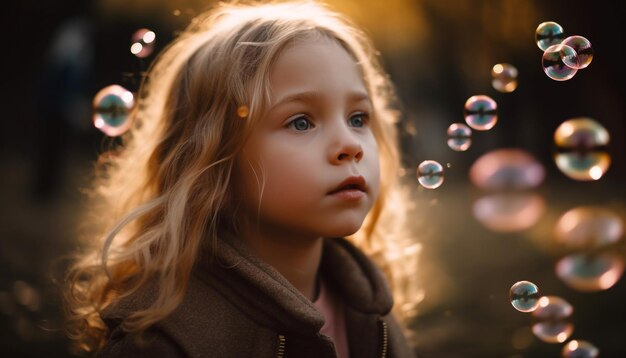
311	96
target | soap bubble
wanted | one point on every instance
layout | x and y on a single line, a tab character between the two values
581	151
508	212
481	112
504	77
459	137
588	273
583	52
142	43
579	349
588	228
552	320
112	106
553	64
507	168
430	174
524	296
547	34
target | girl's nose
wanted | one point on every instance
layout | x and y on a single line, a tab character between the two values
347	148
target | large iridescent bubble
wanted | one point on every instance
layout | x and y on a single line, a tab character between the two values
552	319
579	349
112	106
554	65
588	227
590	272
583	52
547	34
481	112
508	212
507	168
581	149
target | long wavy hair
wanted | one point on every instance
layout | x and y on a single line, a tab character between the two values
165	193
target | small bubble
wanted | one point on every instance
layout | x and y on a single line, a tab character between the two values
142	43
459	137
524	296
583	52
430	174
547	34
553	64
176	12
481	112
589	273
580	145
579	349
112	106
504	77
588	228
552	320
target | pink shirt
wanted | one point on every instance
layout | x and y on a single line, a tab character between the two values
335	322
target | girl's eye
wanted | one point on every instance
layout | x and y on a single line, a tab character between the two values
300	124
358	119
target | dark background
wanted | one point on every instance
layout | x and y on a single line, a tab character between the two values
438	54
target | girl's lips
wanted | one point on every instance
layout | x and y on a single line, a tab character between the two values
348	194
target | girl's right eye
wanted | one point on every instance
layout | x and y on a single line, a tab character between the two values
300	124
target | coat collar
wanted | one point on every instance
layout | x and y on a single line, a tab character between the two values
265	295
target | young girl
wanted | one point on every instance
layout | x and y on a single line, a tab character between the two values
263	136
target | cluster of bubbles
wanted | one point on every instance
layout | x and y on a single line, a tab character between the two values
562	57
551	319
480	112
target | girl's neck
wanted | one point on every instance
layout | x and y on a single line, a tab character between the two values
294	257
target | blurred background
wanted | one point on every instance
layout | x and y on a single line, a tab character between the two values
564	235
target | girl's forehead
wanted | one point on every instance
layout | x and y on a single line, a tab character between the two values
320	64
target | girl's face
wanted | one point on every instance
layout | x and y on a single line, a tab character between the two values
314	146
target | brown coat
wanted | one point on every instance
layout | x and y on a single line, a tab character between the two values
242	307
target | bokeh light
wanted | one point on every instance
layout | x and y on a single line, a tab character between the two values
504	77
507	168
142	43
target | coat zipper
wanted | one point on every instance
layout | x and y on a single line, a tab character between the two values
281	346
383	353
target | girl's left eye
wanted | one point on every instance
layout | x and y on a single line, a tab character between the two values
300	124
358	119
